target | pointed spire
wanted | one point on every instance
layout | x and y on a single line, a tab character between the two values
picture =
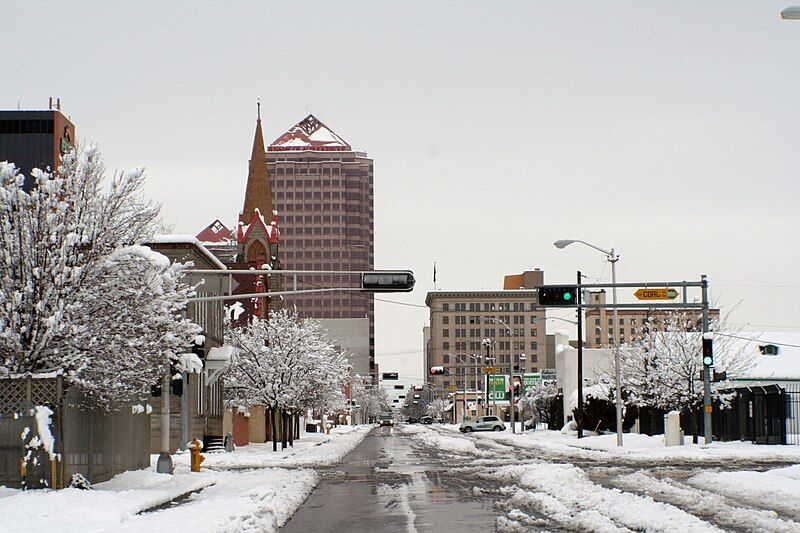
258	194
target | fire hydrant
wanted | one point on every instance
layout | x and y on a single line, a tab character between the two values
328	427
197	457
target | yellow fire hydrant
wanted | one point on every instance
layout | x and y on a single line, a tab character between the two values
197	457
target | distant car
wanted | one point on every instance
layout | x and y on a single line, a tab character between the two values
413	420
385	420
482	423
426	420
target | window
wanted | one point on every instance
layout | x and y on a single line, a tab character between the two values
445	345
445	332
445	320
597	340
445	307
534	345
597	321
534	332
446	358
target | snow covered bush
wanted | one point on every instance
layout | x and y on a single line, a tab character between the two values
79	296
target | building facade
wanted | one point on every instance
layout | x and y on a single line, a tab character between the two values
599	322
324	192
460	320
35	139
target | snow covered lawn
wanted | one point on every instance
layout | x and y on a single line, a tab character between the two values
240	491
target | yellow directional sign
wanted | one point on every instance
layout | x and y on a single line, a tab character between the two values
656	294
451	387
490	370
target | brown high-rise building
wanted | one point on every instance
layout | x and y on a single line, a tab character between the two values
35	139
322	190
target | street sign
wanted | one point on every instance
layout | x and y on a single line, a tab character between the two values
451	387
497	384
656	294
490	370
548	374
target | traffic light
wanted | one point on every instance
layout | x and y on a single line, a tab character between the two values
387	281
558	295
437	370
708	352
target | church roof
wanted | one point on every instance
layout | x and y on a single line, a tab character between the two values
216	232
309	134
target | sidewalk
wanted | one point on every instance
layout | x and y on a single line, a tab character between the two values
252	488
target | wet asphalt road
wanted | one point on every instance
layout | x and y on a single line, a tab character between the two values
391	482
386	485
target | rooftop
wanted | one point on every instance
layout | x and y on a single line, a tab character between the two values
309	134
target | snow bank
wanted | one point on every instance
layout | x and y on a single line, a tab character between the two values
312	449
102	509
564	494
774	490
438	441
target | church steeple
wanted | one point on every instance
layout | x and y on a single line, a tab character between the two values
258	194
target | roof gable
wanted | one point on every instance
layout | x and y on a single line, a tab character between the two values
309	134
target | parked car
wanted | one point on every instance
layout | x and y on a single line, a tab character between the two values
426	420
413	421
385	420
482	423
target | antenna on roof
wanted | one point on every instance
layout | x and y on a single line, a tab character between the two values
258	103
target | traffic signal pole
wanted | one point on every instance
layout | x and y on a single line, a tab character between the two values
707	409
579	299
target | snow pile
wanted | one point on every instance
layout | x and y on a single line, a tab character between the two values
722	510
102	509
774	489
565	495
257	500
437	441
312	449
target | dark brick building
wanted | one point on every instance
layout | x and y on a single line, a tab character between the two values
35	139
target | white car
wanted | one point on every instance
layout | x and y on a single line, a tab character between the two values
482	423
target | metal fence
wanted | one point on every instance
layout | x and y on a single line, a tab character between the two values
793	413
88	441
767	414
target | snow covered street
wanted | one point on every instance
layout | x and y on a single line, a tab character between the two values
432	478
251	489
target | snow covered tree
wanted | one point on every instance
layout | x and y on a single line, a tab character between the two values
663	369
542	403
285	364
371	400
437	408
77	295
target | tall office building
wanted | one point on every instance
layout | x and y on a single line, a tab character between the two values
322	189
35	138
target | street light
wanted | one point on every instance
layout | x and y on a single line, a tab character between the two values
612	258
791	13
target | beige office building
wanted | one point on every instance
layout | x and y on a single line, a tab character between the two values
460	320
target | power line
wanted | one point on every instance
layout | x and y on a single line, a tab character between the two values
758	340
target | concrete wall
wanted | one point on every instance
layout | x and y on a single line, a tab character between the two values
567	368
352	336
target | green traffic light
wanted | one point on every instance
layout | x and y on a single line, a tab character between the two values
568	296
708	361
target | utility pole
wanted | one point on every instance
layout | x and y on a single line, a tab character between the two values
579	422
707	409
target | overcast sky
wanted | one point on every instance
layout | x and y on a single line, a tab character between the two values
669	130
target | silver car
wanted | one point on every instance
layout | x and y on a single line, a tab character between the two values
482	423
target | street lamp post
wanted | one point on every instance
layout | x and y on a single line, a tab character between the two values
612	258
